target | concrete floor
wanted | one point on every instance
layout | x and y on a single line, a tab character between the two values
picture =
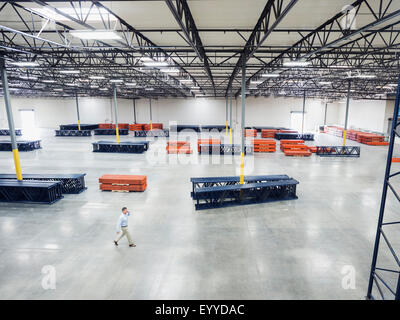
284	250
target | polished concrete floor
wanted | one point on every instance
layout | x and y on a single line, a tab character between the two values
298	249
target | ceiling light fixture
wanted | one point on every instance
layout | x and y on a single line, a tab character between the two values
96	77
116	80
48	81
28	77
270	75
70	71
24	63
95	34
155	64
296	63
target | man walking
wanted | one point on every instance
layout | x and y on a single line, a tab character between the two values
122	227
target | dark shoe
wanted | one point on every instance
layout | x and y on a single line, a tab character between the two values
116	243
132	245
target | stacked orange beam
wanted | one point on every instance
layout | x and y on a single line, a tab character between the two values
147	127
207	141
105	126
181	147
268	133
289	142
372	139
298	149
136	127
287	131
261	145
250	133
113	182
121	126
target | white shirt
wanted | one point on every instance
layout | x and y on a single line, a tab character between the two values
122	221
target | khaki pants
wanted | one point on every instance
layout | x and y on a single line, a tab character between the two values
125	232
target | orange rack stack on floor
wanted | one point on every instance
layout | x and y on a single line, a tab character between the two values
147	127
181	147
372	139
105	125
250	133
136	127
268	133
121	126
127	183
295	148
207	142
261	145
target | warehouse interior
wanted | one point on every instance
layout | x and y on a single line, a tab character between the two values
301	89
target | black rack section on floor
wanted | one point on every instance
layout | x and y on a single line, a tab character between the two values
243	194
76	127
294	136
181	127
70	183
205	182
122	147
6	132
46	192
110	132
219	128
224	149
338	151
384	280
73	133
152	133
22	145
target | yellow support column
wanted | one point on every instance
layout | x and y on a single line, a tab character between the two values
344	137
242	168
17	164
116	112
10	119
79	125
347	113
230	136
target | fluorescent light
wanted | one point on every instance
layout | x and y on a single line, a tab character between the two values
95	34
116	80
169	70
155	64
147	59
270	75
90	14
296	63
70	84
94	87
103	89
256	81
96	77
28	77
69	71
130	84
393	84
195	88
338	67
24	63
366	76
186	80
322	83
58	89
149	89
48	81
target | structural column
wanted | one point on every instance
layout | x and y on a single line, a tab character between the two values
226	114
243	120
134	110
230	120
347	114
304	110
326	111
77	110
151	117
10	119
116	111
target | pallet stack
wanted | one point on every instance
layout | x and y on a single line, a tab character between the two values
180	147
268	133
261	145
250	133
295	148
136	127
121	126
207	142
123	183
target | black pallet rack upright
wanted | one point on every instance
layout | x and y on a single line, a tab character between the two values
384	280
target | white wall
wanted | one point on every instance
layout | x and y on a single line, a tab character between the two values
364	114
50	113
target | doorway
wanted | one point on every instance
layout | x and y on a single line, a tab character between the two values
296	118
27	117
